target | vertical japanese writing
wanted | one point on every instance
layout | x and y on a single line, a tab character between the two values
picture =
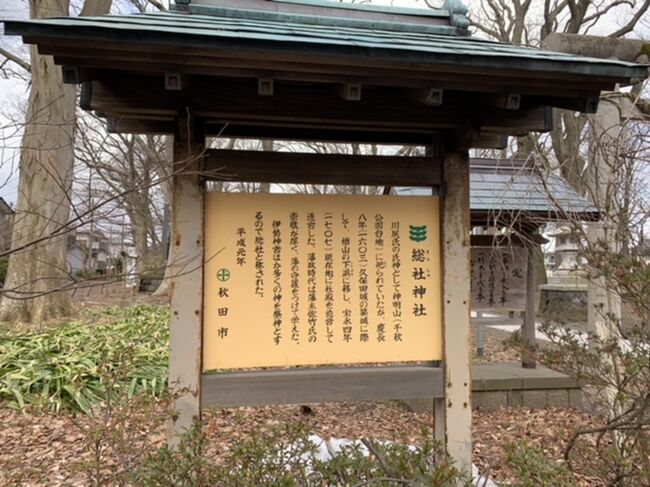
311	229
420	260
312	316
498	276
503	299
277	286
223	293
241	246
491	282
299	280
363	278
480	264
293	235
222	330
328	235
346	280
380	265
295	277
259	254
396	247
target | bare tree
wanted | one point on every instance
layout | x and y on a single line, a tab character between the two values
132	163
614	358
46	165
529	22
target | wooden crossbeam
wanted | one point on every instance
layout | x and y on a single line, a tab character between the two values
139	58
236	101
307	168
260	388
121	125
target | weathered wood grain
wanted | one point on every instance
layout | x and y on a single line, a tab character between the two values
296	386
304	168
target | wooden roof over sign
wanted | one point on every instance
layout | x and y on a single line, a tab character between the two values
317	70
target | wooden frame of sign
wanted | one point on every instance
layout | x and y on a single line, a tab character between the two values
448	382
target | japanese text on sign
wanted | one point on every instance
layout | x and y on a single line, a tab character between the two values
306	280
499	278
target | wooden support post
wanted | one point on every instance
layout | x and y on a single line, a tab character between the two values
528	327
453	415
187	277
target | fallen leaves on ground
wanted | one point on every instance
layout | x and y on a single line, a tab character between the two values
46	449
494	349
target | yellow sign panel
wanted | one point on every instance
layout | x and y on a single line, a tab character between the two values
306	280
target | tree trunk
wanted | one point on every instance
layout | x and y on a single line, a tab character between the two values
163	289
46	163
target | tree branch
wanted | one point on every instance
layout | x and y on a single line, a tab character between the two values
15	59
158	5
629	27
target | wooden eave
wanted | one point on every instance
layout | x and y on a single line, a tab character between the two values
123	63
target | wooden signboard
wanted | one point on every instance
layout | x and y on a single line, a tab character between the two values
308	280
499	278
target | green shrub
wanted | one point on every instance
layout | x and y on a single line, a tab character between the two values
532	468
77	365
284	457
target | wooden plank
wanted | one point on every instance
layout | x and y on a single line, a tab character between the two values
282	133
139	126
487	140
506	240
518	122
305	132
236	102
587	104
153	62
311	168
296	386
277	133
456	411
187	278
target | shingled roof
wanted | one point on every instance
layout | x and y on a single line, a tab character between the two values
506	189
412	35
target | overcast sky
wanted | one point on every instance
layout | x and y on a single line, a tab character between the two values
13	94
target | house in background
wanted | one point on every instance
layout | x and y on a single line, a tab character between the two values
97	246
88	252
7	214
76	256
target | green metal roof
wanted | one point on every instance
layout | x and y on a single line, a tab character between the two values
213	27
